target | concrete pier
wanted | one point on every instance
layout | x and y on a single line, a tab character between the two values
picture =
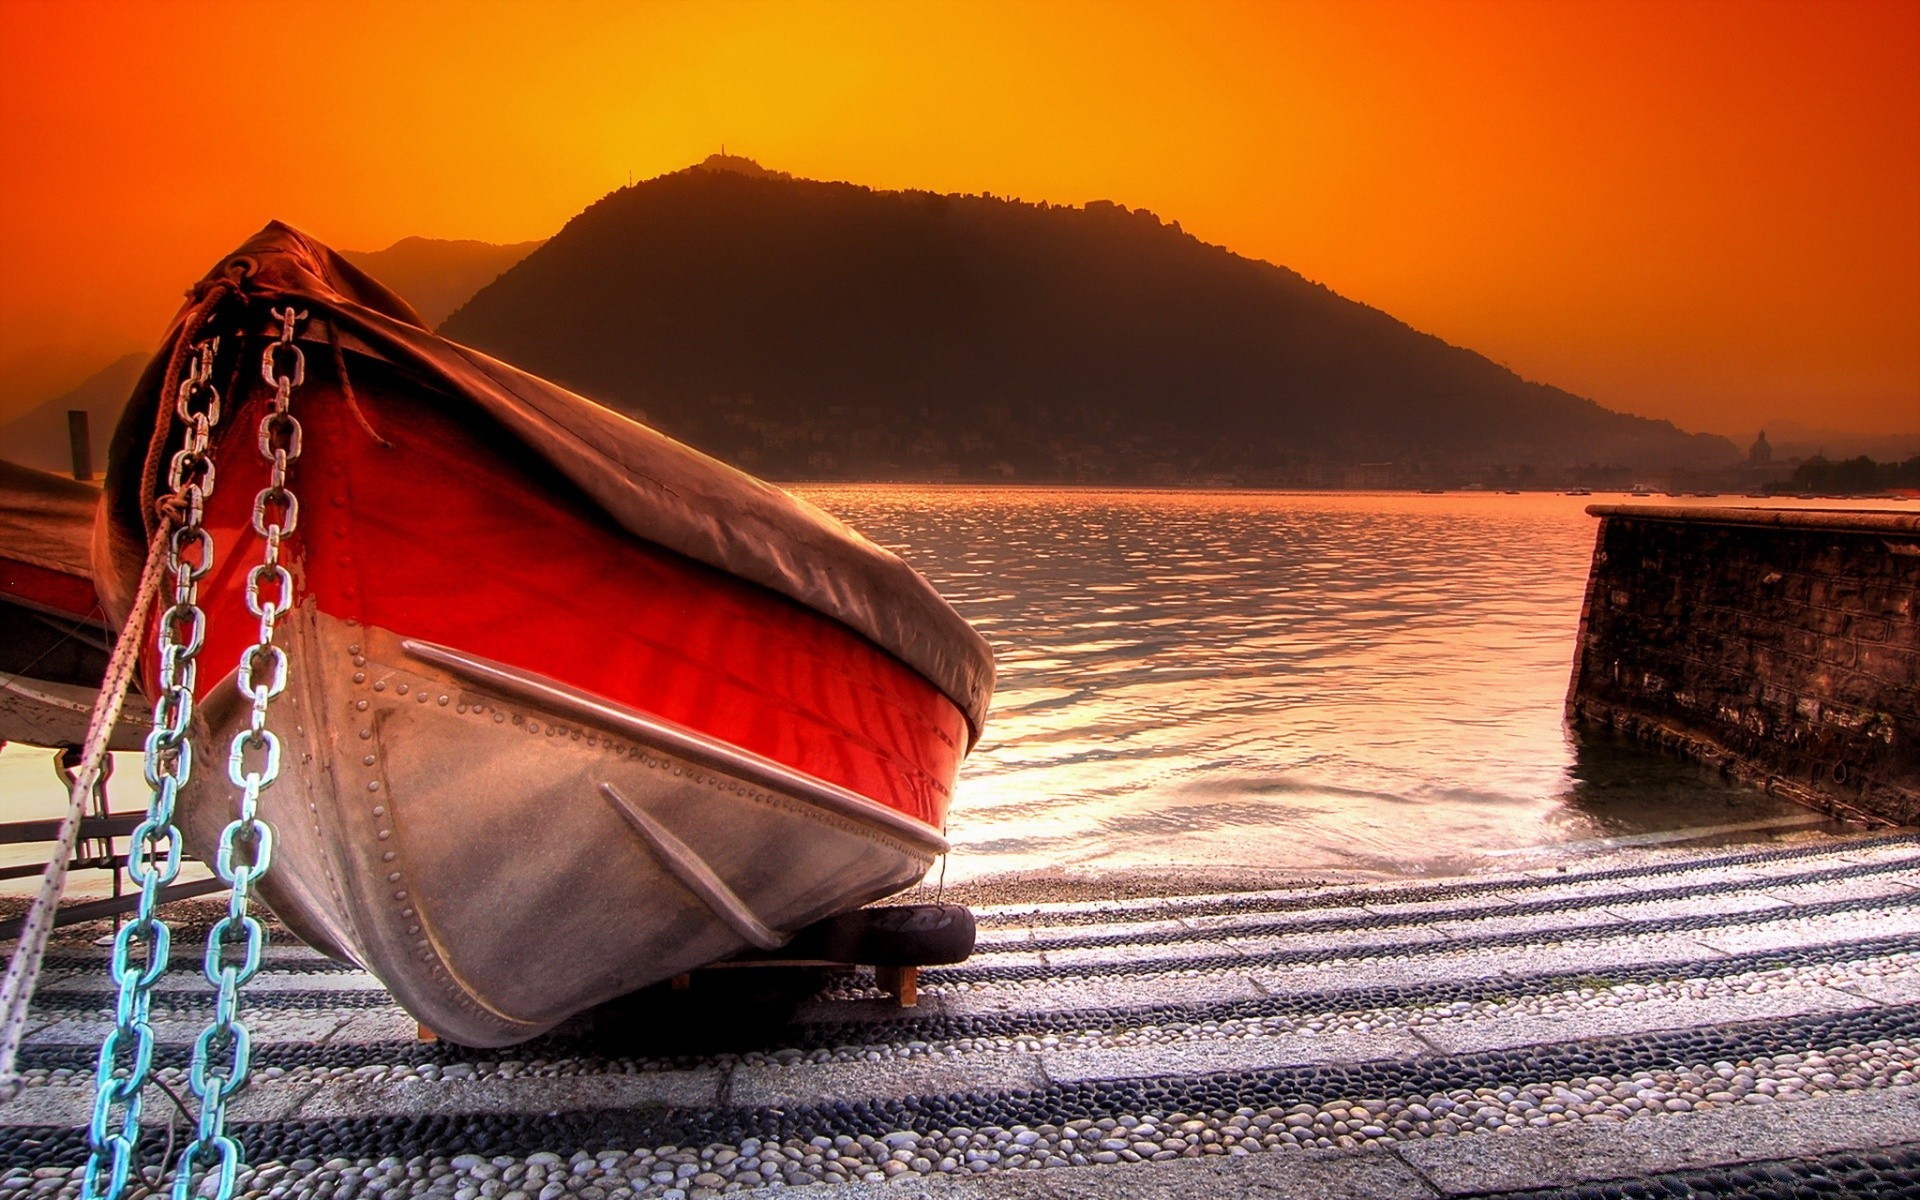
1726	1020
1781	645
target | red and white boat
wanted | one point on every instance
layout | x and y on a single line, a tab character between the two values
572	708
54	635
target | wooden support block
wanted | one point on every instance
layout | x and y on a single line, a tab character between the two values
681	982
425	1034
902	982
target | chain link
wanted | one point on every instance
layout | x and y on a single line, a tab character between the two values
222	1054
141	948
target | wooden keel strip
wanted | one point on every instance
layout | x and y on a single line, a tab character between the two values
694	873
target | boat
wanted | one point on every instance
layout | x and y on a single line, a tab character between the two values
570	708
54	634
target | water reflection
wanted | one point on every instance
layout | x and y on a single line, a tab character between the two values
1365	683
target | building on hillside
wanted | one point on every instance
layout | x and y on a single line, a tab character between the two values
1369	476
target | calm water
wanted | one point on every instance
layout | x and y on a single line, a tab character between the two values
1308	682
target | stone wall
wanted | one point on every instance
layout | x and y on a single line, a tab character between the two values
1781	645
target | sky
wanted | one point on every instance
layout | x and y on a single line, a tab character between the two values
1708	212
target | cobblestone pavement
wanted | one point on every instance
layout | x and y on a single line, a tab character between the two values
1739	1022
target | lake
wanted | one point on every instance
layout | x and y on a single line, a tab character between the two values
1301	682
1207	682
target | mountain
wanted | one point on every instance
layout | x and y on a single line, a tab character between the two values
808	329
437	275
38	437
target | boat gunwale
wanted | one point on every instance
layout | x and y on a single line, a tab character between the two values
679	739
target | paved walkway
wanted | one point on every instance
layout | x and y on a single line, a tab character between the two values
1731	1022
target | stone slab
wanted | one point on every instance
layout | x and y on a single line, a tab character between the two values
1021	956
1479	963
1588	889
1866	890
1145	928
1254	923
1517	1029
1010	937
354	1096
815	1083
1651	866
1373	1173
1544	924
1903	988
1462	908
1708	904
1793	931
1160	955
266	1027
1335	943
1898	852
1053	995
1208	1056
1580	1152
377	1025
71	1103
189	987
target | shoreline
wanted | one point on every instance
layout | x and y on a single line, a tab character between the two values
1057	885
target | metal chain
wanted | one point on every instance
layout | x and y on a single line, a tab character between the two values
253	763
141	948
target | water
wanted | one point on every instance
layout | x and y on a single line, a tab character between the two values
1296	682
1203	682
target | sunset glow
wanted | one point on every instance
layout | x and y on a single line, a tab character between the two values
1707	212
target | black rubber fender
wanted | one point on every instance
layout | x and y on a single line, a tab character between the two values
896	935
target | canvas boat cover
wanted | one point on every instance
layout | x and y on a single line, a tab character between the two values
655	487
46	520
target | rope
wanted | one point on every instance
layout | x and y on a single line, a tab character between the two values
207	299
16	992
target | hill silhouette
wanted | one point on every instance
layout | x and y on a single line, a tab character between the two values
437	275
804	329
38	437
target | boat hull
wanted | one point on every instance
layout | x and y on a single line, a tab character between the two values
467	842
570	707
54	645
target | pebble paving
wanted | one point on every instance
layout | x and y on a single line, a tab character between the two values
1116	1036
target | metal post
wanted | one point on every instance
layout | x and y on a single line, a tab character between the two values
80	444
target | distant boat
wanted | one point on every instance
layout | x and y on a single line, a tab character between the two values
54	636
570	708
1433	491
1509	491
1578	492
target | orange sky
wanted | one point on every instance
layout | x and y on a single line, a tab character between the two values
1702	211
